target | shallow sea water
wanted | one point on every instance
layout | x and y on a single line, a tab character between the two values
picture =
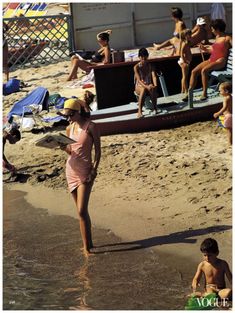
44	269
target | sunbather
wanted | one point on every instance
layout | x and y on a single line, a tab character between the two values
103	56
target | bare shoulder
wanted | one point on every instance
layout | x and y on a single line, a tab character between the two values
201	265
223	263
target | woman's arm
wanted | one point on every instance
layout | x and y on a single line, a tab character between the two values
108	31
137	77
107	55
94	132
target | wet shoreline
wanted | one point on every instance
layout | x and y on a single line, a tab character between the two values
44	267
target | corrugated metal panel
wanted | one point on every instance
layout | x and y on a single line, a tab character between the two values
133	24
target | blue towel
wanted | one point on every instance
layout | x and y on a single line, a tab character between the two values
38	96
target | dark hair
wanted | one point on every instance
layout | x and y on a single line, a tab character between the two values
104	36
89	97
16	133
84	113
209	245
176	12
219	25
143	52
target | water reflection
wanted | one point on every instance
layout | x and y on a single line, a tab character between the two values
83	278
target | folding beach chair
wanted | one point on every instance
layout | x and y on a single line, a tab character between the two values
42	7
9	13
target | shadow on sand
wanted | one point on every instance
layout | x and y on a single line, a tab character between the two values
178	237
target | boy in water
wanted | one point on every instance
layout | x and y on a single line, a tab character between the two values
12	137
146	81
214	271
225	90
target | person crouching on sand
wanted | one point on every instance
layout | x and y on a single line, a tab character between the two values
80	170
12	137
146	81
225	90
214	271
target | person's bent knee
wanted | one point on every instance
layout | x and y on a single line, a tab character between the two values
74	57
225	293
82	214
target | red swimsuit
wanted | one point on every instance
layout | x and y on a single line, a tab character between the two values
218	51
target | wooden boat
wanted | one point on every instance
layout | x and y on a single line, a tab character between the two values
115	111
173	113
26	52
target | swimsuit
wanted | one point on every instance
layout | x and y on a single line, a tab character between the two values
79	163
228	119
219	51
146	77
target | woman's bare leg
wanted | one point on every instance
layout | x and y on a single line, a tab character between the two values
212	66
162	45
81	197
76	64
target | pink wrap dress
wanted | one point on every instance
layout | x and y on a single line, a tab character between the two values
79	163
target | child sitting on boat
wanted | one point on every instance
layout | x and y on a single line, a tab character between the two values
225	91
185	58
214	271
146	81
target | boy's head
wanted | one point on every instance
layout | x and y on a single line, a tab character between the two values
143	54
209	248
14	136
225	87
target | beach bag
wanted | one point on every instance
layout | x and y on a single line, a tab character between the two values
13	85
53	99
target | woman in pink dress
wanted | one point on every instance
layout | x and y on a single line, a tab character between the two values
80	170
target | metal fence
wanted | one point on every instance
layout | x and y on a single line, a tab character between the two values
38	40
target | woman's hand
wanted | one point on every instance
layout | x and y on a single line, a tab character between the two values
92	175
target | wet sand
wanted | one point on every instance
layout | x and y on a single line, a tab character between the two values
44	268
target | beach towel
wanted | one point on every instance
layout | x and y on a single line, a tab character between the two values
13	85
37	97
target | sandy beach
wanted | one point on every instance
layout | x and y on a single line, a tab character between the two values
162	192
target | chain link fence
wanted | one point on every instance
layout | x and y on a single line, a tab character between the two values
38	40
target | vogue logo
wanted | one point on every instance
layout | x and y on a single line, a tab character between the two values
205	302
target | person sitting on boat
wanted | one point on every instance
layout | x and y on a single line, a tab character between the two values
185	58
225	91
12	136
102	56
199	32
177	15
218	58
146	81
